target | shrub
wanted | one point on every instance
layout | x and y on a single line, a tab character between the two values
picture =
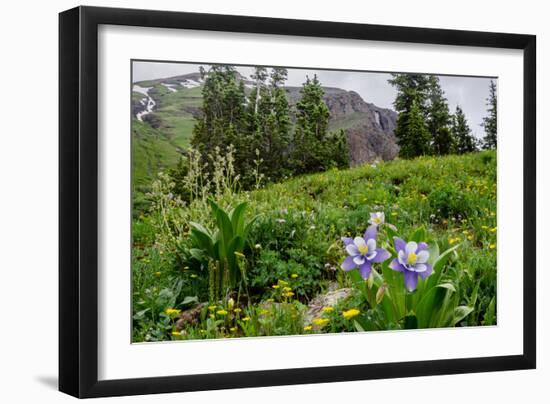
449	201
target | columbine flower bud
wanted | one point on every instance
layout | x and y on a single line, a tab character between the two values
380	294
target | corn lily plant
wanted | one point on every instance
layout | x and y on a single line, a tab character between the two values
223	248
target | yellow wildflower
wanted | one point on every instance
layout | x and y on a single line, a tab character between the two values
237	310
470	237
233	329
328	309
320	321
492	246
246	318
221	312
294	276
264	312
283	283
493	230
308	328
270	300
212	308
172	312
350	313
275	286
158	273
288	294
287	289
176	334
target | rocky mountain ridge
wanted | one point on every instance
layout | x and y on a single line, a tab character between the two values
369	128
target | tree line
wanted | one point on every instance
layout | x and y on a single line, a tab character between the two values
425	126
266	132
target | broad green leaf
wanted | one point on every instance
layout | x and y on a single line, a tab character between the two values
358	326
189	299
237	218
419	235
431	303
410	322
460	313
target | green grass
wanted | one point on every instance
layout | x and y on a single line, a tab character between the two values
298	233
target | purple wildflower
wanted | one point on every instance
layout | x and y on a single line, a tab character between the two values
363	252
412	261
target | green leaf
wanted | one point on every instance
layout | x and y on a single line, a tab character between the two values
237	218
358	326
410	323
460	313
202	241
428	308
188	300
419	235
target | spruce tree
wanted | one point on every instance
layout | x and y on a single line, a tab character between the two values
271	123
223	119
412	134
465	142
438	118
490	121
412	105
312	117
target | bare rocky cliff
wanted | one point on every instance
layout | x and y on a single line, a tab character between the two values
369	129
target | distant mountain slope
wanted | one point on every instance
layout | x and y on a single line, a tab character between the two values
164	113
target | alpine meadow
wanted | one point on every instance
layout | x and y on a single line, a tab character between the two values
271	201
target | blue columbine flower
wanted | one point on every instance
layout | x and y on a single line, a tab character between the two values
363	252
412	260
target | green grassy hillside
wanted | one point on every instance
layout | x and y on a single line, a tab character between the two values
296	239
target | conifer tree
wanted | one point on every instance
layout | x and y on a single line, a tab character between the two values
412	104
490	121
412	134
270	123
312	117
465	142
438	118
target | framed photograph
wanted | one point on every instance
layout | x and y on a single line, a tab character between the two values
251	201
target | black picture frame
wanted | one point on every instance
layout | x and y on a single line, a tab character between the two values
78	201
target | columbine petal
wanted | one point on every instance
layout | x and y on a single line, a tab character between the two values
422	246
371	255
371	233
365	270
411	280
347	240
422	257
352	250
381	255
399	244
348	264
371	243
427	272
359	260
402	257
396	266
420	268
359	242
411	247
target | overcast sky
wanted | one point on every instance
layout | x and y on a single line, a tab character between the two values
468	92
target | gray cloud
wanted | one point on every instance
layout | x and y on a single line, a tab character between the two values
468	92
